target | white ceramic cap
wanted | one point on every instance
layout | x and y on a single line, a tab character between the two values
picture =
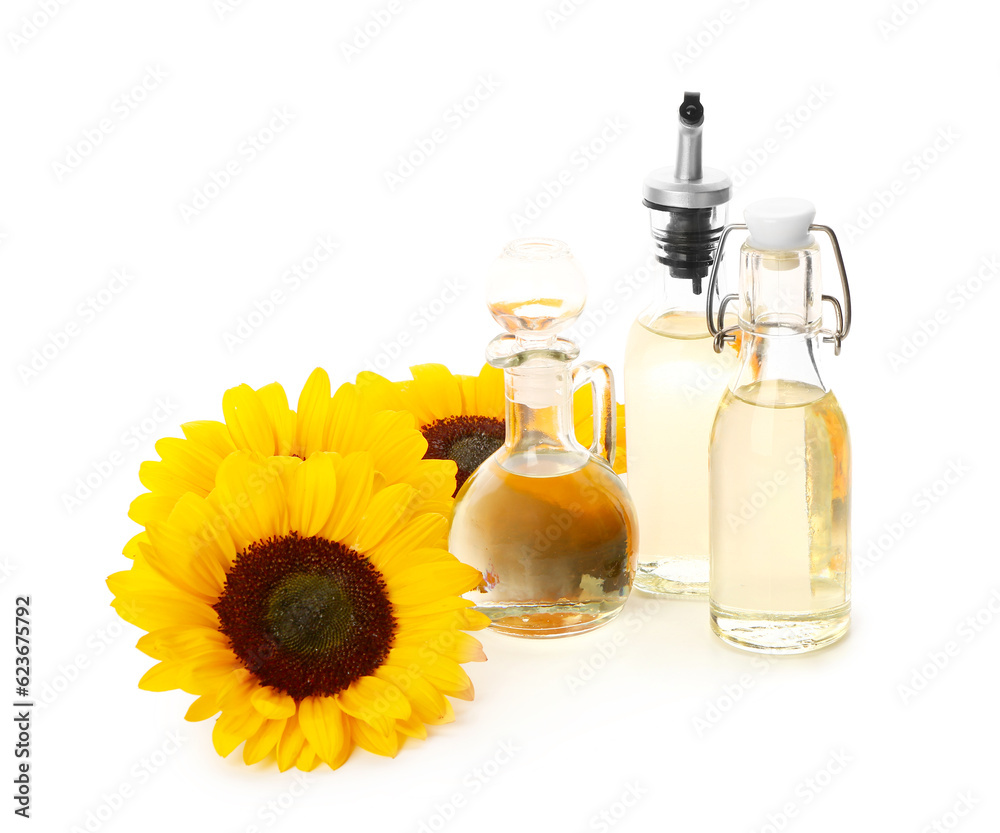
780	223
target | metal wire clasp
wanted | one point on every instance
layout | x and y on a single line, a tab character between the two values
722	334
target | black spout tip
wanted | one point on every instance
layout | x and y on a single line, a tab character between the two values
691	111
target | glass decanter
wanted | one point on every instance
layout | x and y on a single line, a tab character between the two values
546	520
780	454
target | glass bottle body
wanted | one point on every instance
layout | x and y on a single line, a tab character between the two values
549	525
673	383
780	473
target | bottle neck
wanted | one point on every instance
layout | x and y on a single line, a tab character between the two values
678	294
780	316
792	357
539	409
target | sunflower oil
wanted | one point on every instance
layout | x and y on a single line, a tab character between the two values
560	539
780	517
674	383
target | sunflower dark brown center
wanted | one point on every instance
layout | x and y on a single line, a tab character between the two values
468	440
308	616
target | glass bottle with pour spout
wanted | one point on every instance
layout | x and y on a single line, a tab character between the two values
546	520
673	377
780	455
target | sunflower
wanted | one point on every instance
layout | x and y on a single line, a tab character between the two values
463	417
308	602
261	421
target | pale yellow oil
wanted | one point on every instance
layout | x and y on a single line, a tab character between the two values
674	380
780	518
556	552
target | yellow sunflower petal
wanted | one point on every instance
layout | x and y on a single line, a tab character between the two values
273	704
374	741
148	507
426	702
211	669
374	700
382	394
248	421
181	642
203	708
308	760
260	744
323	725
387	512
164	676
146	599
437	390
490	396
249	493
355	481
233	727
427	582
212	436
190	550
312	493
281	417
454	644
346	427
415	539
444	674
290	744
412	727
397	446
313	415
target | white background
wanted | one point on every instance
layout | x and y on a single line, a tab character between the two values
839	103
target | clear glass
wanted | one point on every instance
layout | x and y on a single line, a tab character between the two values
550	525
780	472
674	380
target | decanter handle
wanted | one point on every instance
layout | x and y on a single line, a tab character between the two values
602	385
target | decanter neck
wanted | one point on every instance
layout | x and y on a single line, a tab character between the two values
539	403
